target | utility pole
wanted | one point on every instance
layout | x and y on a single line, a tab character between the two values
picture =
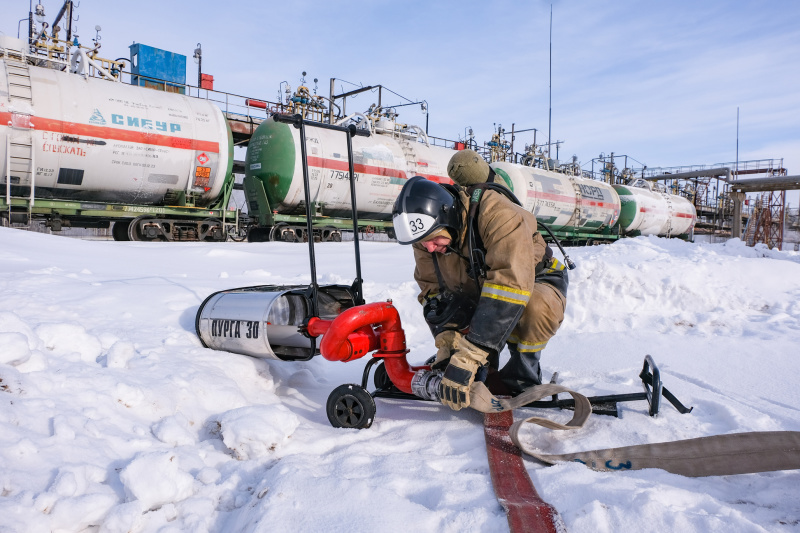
550	111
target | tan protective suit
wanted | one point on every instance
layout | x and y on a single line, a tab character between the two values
522	299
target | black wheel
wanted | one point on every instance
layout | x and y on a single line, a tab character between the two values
390	233
335	237
350	406
381	379
120	230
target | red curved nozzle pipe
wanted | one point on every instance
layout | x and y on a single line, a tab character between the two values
351	336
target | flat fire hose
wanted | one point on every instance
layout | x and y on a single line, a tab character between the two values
719	455
525	509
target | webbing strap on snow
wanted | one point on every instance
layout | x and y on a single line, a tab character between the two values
525	509
738	453
719	455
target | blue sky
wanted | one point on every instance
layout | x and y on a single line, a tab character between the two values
658	81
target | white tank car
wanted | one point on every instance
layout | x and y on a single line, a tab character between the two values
382	164
649	212
96	140
561	201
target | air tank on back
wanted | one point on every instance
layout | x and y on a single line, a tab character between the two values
562	201
651	212
383	162
95	140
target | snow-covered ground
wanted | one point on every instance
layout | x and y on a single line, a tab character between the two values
113	417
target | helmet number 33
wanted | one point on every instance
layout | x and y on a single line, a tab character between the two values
416	226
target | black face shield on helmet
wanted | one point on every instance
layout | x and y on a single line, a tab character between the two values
422	208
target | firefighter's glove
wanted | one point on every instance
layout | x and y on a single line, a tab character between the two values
460	373
447	343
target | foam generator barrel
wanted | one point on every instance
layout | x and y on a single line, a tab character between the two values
265	321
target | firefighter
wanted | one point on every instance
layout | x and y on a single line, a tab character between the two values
490	261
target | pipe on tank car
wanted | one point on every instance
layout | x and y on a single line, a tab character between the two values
348	117
421	134
255	103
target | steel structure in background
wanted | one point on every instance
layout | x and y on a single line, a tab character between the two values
720	196
769	222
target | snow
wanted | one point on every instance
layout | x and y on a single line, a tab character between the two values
114	418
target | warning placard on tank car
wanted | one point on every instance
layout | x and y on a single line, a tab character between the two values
202	176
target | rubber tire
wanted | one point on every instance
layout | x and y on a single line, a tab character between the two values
381	379
350	406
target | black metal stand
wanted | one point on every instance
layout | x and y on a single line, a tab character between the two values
601	405
607	405
300	123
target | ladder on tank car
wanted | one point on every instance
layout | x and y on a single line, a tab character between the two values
20	160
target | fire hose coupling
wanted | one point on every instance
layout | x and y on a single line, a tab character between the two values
425	384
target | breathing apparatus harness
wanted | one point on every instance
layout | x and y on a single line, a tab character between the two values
453	310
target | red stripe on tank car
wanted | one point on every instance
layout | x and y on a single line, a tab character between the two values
116	134
335	164
437	179
570	199
663	212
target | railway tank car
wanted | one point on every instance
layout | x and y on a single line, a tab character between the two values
84	139
573	206
383	162
651	212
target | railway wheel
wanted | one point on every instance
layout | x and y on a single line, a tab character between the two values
210	229
140	230
120	230
276	233
350	406
237	235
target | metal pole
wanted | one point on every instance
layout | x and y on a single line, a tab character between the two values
737	142
330	110
30	26
513	157
550	110
309	224
357	284
8	175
